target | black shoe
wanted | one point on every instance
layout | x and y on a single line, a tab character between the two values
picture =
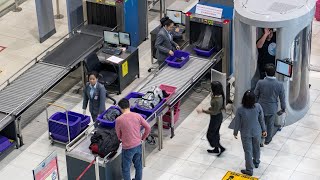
246	172
266	143
221	151
215	150
256	165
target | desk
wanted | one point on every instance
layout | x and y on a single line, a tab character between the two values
127	70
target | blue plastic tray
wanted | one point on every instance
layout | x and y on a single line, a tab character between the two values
204	53
104	122
171	60
148	112
85	120
59	131
4	144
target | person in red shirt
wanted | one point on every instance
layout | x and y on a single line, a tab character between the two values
128	128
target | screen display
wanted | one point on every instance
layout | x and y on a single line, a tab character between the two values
175	16
124	38
111	37
284	68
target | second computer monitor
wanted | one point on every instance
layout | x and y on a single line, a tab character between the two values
175	16
124	38
111	37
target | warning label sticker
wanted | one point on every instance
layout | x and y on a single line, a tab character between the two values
237	176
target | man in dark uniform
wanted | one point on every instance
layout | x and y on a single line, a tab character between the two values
267	50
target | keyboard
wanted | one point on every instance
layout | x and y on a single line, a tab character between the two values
111	50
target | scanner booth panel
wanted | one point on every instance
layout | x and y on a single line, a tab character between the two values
293	41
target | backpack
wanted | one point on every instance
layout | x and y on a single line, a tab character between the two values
104	141
206	39
151	99
111	114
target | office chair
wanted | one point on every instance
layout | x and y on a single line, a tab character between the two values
106	78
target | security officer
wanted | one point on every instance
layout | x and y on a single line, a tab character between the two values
95	94
267	50
164	43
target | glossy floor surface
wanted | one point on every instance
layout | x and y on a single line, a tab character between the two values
293	154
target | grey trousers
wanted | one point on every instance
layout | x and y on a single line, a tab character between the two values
94	119
251	147
269	120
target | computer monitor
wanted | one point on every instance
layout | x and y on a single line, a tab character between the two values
175	16
124	38
111	37
284	67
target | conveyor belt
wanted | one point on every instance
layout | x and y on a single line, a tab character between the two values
30	82
72	49
177	77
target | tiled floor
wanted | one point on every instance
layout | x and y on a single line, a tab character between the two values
293	154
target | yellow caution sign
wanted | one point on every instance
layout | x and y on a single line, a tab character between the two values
237	176
125	69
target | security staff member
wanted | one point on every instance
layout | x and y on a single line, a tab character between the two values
267	50
164	42
95	94
268	91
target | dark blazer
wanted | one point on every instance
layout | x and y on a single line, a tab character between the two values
163	45
97	103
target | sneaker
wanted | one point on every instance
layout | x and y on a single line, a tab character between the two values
246	172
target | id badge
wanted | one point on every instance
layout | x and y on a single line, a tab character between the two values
96	97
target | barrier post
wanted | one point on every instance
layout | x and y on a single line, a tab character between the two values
58	15
16	6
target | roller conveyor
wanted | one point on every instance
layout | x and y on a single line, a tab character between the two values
26	86
71	49
22	92
178	77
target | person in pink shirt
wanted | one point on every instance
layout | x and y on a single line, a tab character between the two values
128	128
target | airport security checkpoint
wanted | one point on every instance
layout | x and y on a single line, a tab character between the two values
172	63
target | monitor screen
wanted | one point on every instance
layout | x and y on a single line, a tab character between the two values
124	38
284	68
175	16
111	37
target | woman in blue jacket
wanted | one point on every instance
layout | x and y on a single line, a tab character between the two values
95	94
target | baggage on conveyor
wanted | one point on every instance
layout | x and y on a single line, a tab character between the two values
146	104
108	117
104	141
205	45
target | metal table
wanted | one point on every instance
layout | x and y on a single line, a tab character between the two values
183	79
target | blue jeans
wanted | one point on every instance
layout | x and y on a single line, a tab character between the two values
132	155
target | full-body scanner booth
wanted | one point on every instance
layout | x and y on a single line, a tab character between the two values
292	20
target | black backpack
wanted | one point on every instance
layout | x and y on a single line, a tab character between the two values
104	141
111	114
